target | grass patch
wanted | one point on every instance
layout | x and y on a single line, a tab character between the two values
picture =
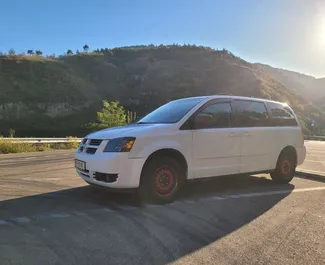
8	147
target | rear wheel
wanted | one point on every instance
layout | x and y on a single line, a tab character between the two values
161	180
285	169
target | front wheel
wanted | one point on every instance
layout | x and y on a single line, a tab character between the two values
285	169
161	180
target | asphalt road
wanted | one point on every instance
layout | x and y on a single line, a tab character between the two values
49	216
315	159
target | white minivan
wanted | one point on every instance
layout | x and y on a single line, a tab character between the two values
193	138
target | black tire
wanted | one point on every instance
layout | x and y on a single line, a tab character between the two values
285	169
161	180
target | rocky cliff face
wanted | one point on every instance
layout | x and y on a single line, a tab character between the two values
20	110
58	97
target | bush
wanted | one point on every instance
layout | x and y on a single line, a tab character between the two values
7	147
72	143
112	115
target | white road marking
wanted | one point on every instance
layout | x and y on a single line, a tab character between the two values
275	192
214	198
3	222
41	179
52	179
258	194
20	219
317	161
101	210
60	215
218	198
312	171
31	157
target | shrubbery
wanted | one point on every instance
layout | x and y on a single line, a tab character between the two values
7	147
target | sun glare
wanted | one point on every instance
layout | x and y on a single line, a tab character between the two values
321	33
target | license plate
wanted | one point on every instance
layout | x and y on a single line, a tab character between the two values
80	165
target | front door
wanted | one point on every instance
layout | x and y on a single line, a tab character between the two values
216	145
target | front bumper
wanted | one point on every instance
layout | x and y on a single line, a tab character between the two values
126	171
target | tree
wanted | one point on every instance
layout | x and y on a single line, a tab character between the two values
30	52
38	52
51	56
111	115
77	52
12	52
69	52
131	117
86	47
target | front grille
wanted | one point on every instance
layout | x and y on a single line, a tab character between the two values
95	142
91	150
86	146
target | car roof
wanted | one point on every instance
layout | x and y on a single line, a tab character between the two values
226	96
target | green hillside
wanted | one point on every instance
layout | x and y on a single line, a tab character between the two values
59	96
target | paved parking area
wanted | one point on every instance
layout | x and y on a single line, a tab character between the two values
49	216
315	159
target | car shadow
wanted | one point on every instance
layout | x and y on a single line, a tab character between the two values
140	234
311	177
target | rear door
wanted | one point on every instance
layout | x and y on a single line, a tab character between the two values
288	132
216	145
253	124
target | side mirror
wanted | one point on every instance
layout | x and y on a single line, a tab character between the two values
202	121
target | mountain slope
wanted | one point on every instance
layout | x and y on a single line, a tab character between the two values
309	87
57	97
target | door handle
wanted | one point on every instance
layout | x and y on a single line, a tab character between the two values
232	134
247	134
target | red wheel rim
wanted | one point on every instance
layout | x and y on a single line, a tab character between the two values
286	167
164	181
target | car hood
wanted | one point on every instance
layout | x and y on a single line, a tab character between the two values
132	130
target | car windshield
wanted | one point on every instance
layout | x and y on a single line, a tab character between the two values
171	112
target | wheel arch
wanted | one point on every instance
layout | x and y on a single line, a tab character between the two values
168	152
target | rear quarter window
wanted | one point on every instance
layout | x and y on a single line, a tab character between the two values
281	115
250	114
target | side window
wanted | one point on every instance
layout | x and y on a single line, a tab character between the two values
217	115
250	114
281	116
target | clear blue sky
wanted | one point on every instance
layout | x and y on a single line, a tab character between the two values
283	33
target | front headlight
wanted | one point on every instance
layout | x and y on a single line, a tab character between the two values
123	144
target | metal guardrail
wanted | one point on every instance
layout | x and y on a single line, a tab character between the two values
317	138
42	140
67	140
